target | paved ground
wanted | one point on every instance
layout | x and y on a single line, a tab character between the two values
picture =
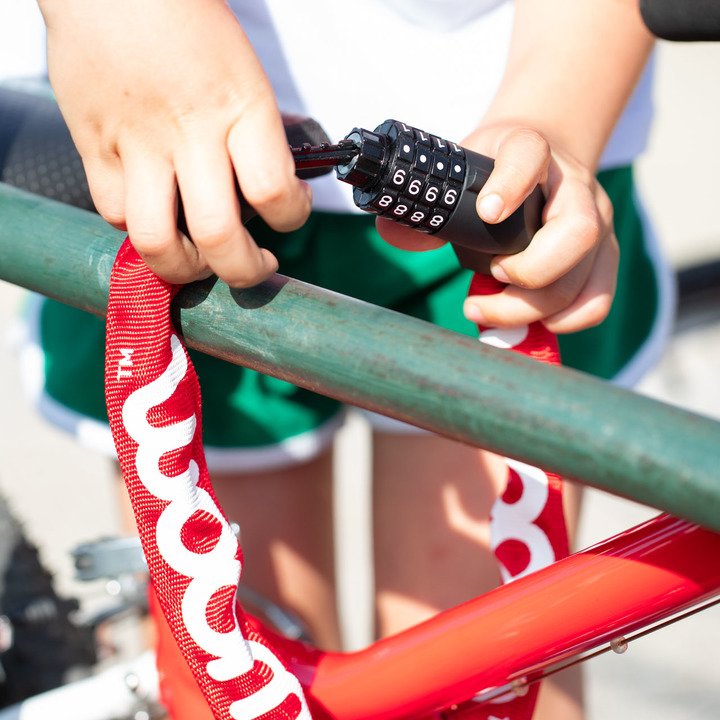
675	673
65	494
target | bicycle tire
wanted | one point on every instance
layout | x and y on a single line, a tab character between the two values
42	647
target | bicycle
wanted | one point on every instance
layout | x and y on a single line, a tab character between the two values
683	582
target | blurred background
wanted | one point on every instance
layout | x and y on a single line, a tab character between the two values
675	673
65	495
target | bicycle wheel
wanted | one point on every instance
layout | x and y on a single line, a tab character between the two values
40	645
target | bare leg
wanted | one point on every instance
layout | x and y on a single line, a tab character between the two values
561	696
431	504
432	500
285	519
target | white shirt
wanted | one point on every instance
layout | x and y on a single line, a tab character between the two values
22	40
434	64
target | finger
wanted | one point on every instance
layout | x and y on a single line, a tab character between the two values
405	237
593	303
151	213
107	188
266	170
521	163
573	228
212	212
519	306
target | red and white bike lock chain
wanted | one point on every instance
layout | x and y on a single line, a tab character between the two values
194	558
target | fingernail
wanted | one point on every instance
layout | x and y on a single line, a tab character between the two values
472	312
498	273
490	207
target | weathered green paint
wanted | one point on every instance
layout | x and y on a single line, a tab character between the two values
365	355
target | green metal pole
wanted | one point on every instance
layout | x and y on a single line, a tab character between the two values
555	418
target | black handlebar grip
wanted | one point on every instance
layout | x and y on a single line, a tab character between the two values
37	152
685	21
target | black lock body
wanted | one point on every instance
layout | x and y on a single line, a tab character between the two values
431	184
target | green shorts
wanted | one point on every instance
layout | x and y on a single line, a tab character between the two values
252	421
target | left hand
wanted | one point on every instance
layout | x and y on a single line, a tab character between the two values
566	276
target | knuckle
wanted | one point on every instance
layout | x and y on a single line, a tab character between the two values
522	161
530	136
605	205
244	277
150	241
587	229
613	249
562	296
605	208
107	149
100	143
211	231
109	204
592	313
525	277
509	175
268	189
599	309
111	214
492	316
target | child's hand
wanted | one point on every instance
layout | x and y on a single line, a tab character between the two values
566	276
164	96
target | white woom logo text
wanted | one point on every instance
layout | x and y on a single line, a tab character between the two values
209	571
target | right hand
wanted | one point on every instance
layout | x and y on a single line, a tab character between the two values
169	96
566	277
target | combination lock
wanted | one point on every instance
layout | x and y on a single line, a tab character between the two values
427	183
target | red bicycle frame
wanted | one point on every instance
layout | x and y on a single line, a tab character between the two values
503	640
516	633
